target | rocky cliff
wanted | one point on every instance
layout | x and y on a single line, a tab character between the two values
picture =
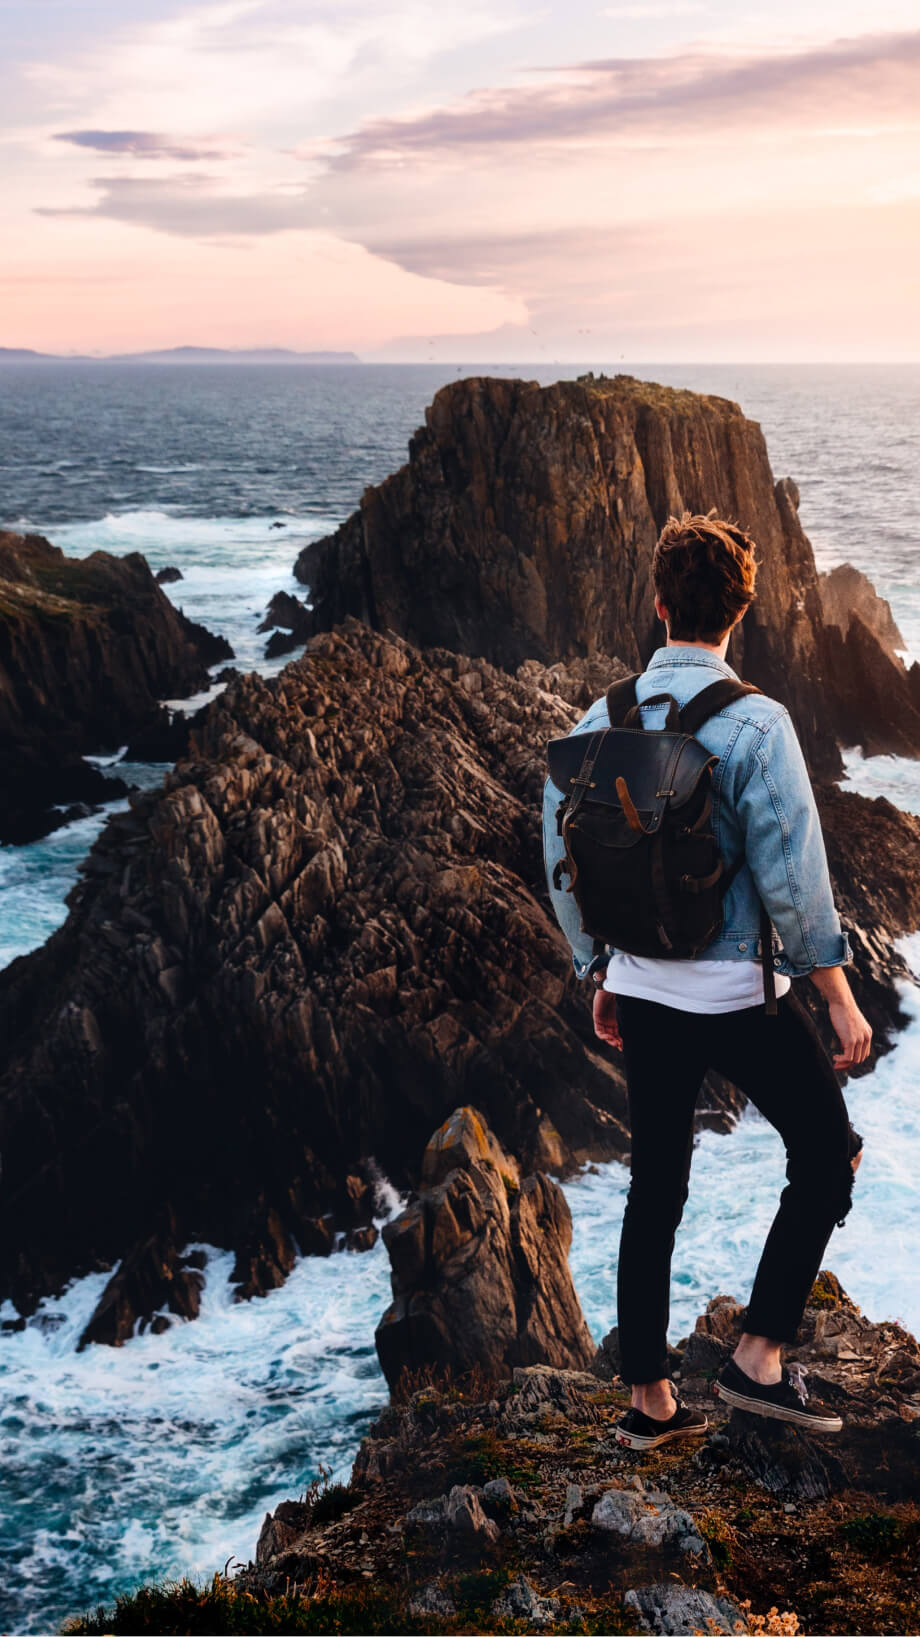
507	1506
88	646
325	933
523	527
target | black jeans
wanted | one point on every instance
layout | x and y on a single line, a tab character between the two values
781	1064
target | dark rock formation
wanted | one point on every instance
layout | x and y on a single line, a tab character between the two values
523	527
846	592
295	620
480	1264
327	932
153	1277
753	1527
324	934
168	576
87	648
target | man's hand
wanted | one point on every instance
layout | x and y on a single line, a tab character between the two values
853	1031
605	1018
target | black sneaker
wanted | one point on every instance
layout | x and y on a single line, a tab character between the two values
640	1431
784	1400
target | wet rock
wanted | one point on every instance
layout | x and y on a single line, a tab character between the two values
681	1611
88	647
480	1264
153	1275
294	621
168	576
648	1518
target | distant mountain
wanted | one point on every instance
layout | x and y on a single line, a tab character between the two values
182	355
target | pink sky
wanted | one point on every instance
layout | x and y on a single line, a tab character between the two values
658	180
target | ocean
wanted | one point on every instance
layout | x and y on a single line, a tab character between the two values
162	1457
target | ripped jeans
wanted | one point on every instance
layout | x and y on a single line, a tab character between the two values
781	1065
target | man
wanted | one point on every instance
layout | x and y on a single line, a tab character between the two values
676	1019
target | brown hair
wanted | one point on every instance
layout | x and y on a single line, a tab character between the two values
704	571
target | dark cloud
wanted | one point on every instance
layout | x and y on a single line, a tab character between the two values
140	145
188	206
873	77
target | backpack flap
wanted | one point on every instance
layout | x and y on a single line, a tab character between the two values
656	767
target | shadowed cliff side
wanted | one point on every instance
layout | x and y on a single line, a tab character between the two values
523	526
328	931
88	647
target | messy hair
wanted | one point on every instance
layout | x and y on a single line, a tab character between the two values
704	571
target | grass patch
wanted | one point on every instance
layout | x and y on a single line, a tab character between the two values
877	1534
481	1456
220	1607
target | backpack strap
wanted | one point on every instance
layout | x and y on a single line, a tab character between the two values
621	696
709	701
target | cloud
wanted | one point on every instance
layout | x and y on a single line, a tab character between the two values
140	145
189	205
677	96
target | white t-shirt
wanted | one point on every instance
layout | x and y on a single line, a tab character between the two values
691	986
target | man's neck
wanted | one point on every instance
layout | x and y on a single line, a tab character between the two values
718	648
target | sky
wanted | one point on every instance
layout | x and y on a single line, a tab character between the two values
655	180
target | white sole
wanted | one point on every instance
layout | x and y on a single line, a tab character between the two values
640	1440
776	1412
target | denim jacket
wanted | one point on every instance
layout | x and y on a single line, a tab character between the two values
763	808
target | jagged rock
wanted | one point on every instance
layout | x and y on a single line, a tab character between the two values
325	932
432	1599
811	1556
649	1518
520	1601
681	1611
523	527
782	1458
152	1276
480	1264
498	1498
281	1528
168	576
846	592
295	620
606	1361
88	647
461	1510
714	1339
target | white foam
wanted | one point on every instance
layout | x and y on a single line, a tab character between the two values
895	777
161	1457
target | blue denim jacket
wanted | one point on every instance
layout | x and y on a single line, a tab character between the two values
763	807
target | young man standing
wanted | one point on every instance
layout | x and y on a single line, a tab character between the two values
676	1019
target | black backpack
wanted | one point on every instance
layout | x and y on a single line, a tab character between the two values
641	858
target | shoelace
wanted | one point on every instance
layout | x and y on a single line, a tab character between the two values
797	1373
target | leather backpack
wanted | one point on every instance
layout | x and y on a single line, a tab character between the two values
636	821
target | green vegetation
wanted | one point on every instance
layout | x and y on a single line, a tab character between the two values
877	1534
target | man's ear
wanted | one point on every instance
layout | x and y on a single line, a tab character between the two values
660	610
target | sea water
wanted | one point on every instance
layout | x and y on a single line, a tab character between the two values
161	1457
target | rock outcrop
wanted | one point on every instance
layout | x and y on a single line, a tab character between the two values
475	1502
523	526
327	932
88	647
846	592
290	622
480	1264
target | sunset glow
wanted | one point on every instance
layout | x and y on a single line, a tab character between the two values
657	180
